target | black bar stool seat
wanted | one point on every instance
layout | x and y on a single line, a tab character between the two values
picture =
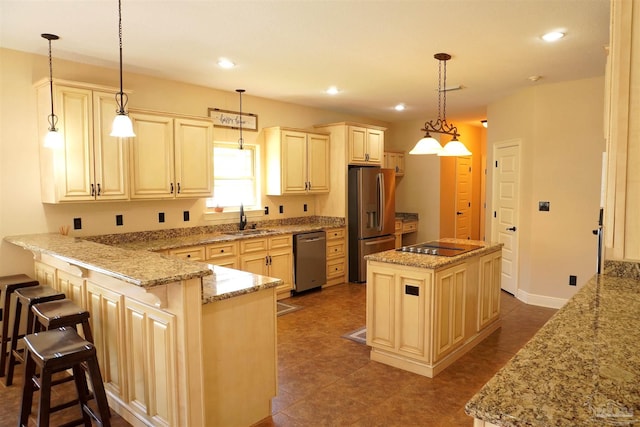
8	285
60	313
26	297
54	351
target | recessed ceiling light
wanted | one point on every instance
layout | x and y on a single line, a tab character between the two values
226	63
553	36
332	90
399	107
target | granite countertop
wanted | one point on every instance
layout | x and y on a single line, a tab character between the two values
140	268
434	262
406	216
227	283
581	369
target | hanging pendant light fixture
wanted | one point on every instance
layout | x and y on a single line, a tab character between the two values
240	141
122	126
428	144
53	138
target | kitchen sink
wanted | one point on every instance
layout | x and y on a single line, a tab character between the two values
248	232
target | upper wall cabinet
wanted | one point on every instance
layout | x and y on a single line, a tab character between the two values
91	165
394	160
365	145
297	161
171	157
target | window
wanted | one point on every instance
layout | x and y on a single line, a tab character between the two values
235	175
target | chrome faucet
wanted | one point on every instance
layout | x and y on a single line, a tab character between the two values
243	218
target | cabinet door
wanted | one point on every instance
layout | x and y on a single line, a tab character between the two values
294	162
318	163
489	288
74	162
449	310
281	267
399	166
381	308
357	145
413	315
193	158
375	146
255	263
111	160
151	157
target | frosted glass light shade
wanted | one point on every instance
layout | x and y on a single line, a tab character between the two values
122	126
454	148
53	140
427	145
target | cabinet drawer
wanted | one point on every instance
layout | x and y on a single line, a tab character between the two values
335	268
229	262
191	253
409	227
335	249
253	245
222	250
277	242
398	226
336	233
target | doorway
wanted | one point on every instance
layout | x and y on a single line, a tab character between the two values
464	192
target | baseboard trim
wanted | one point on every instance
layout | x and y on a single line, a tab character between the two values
540	300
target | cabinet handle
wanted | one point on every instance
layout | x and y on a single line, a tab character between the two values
309	185
221	251
93	191
266	260
366	157
99	189
178	188
172	188
188	255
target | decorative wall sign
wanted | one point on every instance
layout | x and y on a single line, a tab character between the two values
231	119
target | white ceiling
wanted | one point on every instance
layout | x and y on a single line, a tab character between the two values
379	53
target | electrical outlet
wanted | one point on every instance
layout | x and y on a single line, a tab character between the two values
185	216
77	223
543	206
281	209
160	216
119	220
573	280
266	210
305	207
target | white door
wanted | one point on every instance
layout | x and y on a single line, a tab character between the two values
506	194
463	198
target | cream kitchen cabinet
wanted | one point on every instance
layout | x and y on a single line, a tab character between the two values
91	164
365	145
450	291
489	289
191	253
171	156
394	160
297	161
224	254
336	256
270	256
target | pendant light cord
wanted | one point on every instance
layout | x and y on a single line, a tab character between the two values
123	101
241	140
52	118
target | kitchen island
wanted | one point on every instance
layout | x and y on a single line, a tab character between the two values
180	343
581	369
424	311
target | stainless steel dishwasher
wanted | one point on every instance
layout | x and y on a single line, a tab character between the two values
310	260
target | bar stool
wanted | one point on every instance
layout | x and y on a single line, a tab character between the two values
60	313
54	351
26	297
8	285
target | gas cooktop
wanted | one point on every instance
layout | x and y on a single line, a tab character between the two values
439	248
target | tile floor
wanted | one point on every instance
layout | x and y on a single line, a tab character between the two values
327	380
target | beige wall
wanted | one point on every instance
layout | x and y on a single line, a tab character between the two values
21	211
560	128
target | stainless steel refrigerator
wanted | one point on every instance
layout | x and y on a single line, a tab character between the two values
372	213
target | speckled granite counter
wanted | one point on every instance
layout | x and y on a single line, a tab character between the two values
406	216
433	262
581	369
140	268
227	283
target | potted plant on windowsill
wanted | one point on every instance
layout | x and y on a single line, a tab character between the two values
218	208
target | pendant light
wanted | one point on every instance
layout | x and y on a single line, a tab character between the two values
54	138
241	140
122	126
428	144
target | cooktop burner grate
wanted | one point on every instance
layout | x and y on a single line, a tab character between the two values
439	248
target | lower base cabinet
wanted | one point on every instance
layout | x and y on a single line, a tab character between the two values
270	256
336	256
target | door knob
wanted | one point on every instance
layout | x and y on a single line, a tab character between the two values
458	213
511	228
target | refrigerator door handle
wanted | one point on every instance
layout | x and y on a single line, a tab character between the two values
381	201
378	241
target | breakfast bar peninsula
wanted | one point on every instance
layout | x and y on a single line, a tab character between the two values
428	304
180	343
